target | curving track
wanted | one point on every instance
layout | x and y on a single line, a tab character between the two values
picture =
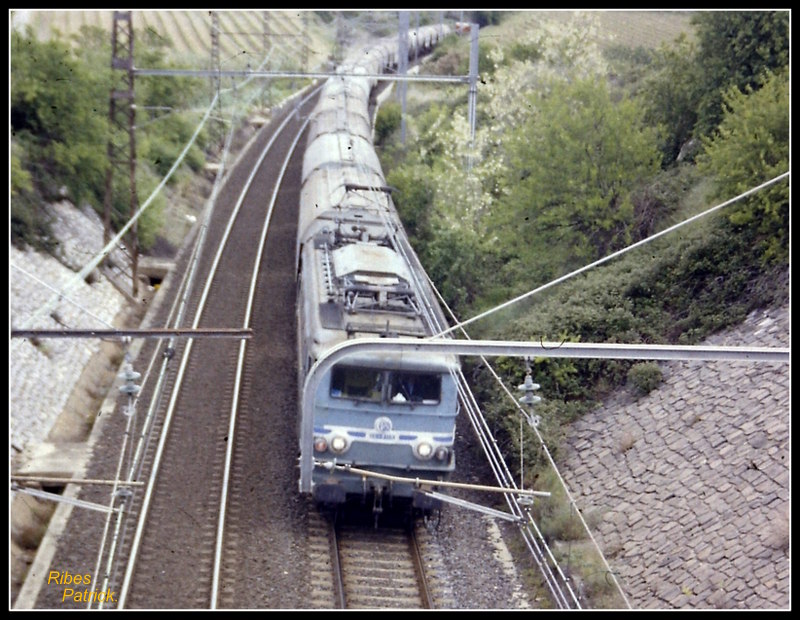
174	564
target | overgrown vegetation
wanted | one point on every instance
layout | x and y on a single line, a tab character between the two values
60	130
578	152
645	377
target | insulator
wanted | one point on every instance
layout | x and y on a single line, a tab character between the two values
529	385
129	388
130	375
530	399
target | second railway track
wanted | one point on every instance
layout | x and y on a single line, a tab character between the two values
176	566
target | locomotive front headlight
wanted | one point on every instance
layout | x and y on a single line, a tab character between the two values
442	454
320	444
338	444
424	450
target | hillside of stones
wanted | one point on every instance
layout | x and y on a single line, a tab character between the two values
689	486
43	372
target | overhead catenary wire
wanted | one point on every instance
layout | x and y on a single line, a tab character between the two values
549	457
564	596
460	326
613	255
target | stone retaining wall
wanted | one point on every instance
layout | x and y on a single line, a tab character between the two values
42	375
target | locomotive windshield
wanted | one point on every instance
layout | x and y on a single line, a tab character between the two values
375	385
414	387
358	383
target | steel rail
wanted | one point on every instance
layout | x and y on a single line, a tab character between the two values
240	365
419	566
336	567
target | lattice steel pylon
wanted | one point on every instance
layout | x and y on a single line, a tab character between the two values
122	134
217	129
266	50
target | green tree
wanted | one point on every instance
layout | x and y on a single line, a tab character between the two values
57	110
670	95
59	122
29	223
414	200
735	47
750	147
575	163
19	177
164	126
387	121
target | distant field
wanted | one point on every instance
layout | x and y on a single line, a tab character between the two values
243	40
630	28
245	37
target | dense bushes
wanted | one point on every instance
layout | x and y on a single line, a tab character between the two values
578	170
59	101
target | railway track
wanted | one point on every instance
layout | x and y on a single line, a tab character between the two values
183	528
169	537
222	509
380	568
357	566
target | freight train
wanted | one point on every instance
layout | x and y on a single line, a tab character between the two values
358	276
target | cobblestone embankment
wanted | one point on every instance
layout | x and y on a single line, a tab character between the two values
692	480
42	374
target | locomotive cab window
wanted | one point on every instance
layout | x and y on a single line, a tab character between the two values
415	387
358	383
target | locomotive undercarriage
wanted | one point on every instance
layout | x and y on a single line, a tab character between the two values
383	501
